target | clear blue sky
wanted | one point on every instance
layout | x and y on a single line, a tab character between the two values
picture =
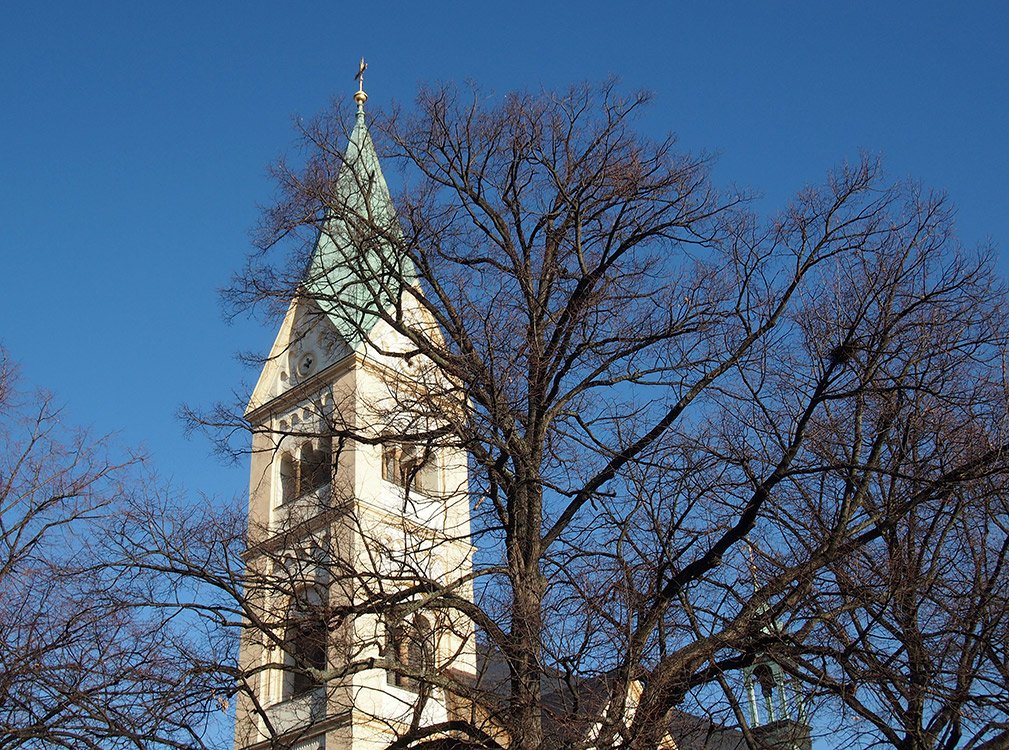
134	141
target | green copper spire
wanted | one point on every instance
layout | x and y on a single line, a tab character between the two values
357	268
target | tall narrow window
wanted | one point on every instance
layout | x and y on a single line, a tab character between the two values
305	644
410	645
288	478
316	464
420	649
390	463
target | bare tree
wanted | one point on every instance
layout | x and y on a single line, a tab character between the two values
913	647
647	378
903	629
82	665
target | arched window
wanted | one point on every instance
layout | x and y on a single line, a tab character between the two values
410	644
311	470
305	644
410	466
288	478
317	464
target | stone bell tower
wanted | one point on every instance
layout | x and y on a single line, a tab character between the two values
358	510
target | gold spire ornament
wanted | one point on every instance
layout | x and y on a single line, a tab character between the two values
360	97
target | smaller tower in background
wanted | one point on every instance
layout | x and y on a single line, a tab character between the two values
776	712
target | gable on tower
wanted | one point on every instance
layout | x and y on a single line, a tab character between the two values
307	343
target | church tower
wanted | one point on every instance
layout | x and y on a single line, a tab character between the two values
358	505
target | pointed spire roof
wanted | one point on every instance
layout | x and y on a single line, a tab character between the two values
356	268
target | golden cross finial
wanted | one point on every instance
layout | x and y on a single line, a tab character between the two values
360	97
